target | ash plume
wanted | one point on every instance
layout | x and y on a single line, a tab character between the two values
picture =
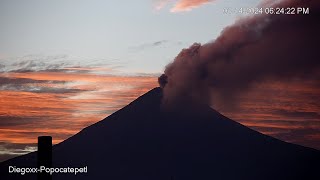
254	49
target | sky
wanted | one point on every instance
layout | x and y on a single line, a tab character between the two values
139	35
66	64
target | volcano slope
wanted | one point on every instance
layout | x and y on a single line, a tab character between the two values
142	141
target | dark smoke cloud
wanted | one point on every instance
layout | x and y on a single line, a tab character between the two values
254	49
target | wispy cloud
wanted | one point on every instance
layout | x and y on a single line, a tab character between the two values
31	63
58	63
32	85
148	45
9	150
181	5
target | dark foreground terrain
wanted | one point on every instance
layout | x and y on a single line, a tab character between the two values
143	142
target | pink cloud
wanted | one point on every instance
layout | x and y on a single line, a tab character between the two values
181	5
187	5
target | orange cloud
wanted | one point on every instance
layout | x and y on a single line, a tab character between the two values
182	5
187	5
60	104
286	110
35	107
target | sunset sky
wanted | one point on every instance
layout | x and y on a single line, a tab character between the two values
66	64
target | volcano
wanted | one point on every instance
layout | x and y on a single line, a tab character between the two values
143	141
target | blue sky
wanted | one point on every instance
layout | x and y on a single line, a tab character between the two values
130	34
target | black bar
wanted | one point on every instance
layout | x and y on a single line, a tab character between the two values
44	156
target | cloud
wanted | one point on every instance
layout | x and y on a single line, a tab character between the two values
19	81
187	5
30	73
148	45
298	131
36	86
32	63
181	5
159	4
309	137
298	114
10	150
57	63
61	103
49	95
2	67
14	121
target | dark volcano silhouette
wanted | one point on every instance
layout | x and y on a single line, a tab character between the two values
141	141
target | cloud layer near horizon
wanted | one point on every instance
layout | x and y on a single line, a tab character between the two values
63	101
59	101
